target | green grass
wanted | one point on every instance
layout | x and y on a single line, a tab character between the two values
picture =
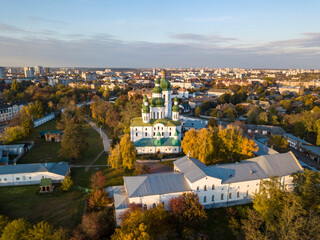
58	208
48	151
113	177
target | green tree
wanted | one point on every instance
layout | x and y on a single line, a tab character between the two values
299	129
263	118
3	223
253	115
74	142
278	142
17	229
12	135
66	184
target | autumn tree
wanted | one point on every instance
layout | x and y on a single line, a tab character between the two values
16	229
188	213
128	152
198	111
278	142
98	200
98	181
41	231
66	184
12	135
74	142
3	222
15	86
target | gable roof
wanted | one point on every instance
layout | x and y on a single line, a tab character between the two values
262	167
153	184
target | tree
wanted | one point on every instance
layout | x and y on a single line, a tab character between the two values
98	200
128	152
66	184
15	87
188	212
26	120
212	123
115	159
299	129
41	231
97	225
141	169
263	118
98	181
12	135
74	142
278	142
253	115
36	109
3	223
198	111
17	229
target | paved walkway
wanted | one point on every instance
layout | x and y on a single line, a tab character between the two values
104	137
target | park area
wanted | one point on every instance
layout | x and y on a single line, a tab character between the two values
49	151
59	208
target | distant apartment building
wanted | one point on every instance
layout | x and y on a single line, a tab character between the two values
88	76
29	72
218	92
47	70
289	89
38	70
2	72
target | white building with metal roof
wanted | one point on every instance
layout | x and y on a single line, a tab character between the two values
28	174
216	185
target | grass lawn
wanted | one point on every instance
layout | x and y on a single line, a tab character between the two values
113	177
48	151
58	208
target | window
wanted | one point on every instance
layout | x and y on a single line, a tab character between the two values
158	115
154	205
24	178
161	114
162	133
238	194
154	133
205	188
5	179
247	185
212	198
170	129
146	134
221	196
17	178
204	199
247	193
212	186
145	207
158	128
136	134
198	188
230	195
169	133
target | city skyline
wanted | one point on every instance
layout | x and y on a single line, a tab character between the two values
143	34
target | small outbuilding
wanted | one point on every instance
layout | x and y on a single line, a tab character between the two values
46	185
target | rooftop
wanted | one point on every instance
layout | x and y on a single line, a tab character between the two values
138	122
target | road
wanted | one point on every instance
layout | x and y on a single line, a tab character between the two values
104	137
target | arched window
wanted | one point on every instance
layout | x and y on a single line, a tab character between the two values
204	199
145	207
238	194
230	195
198	188
212	198
164	96
221	196
212	186
205	188
157	115
154	205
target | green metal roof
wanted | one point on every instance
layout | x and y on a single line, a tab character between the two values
43	133
157	102
145	109
45	182
165	84
175	108
152	142
138	122
157	90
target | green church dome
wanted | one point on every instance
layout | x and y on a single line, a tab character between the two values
175	108
165	84
145	98
157	102
145	109
176	99
157	81
157	90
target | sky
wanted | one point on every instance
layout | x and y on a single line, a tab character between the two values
166	33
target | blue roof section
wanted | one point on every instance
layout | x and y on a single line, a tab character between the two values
263	149
196	124
154	184
296	138
149	142
60	168
312	148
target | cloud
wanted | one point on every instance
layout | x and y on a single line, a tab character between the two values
9	28
46	20
202	38
191	50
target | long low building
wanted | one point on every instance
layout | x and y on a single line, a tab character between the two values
216	185
28	174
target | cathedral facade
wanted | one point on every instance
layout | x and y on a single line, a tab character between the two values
159	128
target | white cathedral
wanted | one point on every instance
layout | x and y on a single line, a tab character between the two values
159	128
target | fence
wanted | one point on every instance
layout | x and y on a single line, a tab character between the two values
43	120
